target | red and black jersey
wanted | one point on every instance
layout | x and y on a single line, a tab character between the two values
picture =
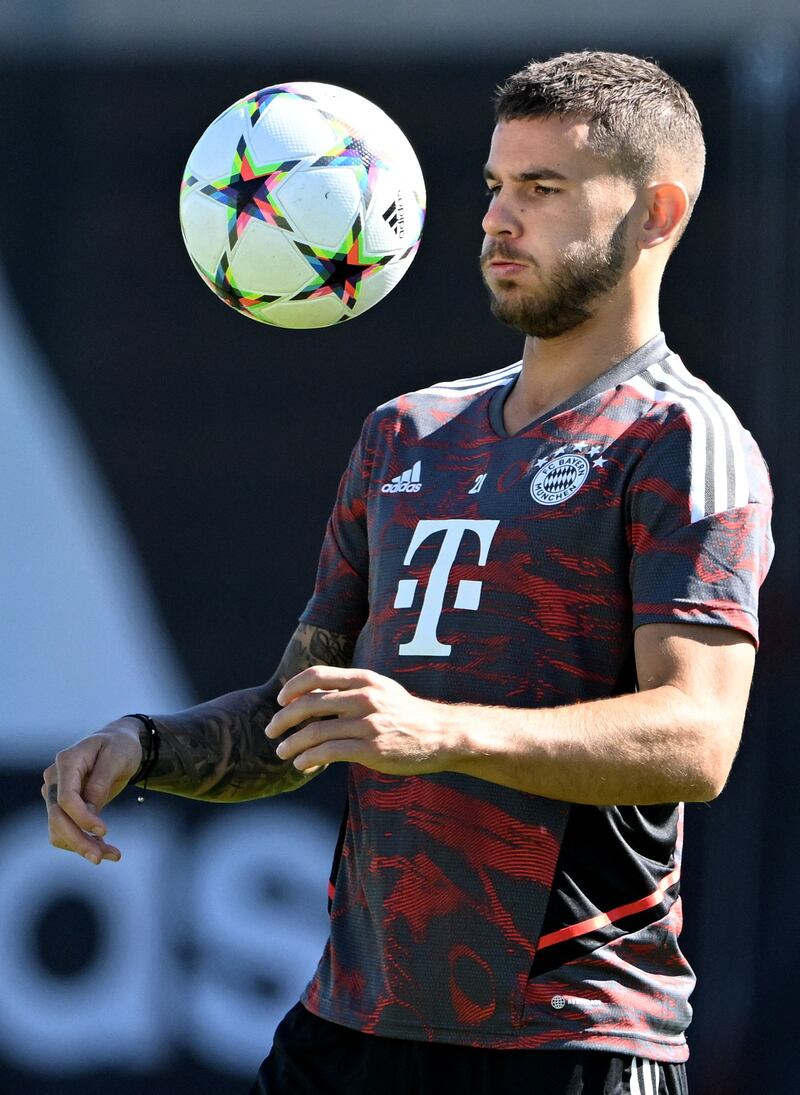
479	567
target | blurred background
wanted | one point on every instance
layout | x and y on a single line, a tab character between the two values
167	468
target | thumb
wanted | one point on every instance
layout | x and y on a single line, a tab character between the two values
109	775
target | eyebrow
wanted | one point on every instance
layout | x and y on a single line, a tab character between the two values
531	175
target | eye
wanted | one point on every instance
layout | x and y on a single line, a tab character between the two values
490	191
545	190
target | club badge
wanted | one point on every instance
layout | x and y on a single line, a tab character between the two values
564	473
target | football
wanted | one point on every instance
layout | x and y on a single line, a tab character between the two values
302	205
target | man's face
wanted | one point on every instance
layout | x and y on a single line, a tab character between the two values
557	237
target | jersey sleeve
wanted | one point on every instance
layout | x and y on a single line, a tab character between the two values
699	511
340	599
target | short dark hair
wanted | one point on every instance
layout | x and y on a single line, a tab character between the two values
641	118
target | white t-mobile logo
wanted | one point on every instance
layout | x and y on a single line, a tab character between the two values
468	594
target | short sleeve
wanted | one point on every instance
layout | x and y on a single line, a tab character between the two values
699	529
340	599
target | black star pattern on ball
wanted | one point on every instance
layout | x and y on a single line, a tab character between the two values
341	271
243	192
240	194
337	273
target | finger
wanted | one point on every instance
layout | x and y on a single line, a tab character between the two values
62	828
86	786
326	677
71	767
103	784
109	775
64	833
315	733
59	821
332	752
315	705
317	768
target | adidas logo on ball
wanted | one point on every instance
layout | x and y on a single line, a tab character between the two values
395	217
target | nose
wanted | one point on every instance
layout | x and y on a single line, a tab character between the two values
499	219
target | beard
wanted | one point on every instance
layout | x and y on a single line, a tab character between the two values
570	297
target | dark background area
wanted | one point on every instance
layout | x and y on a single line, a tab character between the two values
222	440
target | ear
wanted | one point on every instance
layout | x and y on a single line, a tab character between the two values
667	205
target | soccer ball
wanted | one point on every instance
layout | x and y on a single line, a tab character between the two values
302	205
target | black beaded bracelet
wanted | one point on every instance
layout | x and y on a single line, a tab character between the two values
150	753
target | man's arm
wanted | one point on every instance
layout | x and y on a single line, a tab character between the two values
216	751
673	740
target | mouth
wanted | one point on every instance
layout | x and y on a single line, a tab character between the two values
502	263
506	268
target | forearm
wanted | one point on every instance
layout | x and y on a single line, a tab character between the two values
217	751
674	740
646	747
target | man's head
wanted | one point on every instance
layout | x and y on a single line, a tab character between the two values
641	120
597	159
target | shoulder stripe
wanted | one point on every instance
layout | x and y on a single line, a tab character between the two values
648	386
719	487
472	384
708	466
718	473
740	483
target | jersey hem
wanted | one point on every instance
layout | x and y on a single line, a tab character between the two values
516	1039
682	616
315	619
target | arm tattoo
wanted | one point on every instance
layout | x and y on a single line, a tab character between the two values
218	751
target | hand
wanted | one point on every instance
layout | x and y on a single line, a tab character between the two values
80	782
368	719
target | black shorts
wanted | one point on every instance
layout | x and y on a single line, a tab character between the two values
311	1056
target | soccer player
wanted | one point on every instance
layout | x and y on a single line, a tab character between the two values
532	637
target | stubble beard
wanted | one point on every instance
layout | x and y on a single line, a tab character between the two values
575	286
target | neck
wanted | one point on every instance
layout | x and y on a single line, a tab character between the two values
554	369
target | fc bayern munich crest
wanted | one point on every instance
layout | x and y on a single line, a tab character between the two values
560	478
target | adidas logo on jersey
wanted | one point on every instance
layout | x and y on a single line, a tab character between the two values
407	483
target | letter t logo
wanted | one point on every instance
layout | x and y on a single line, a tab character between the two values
468	595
